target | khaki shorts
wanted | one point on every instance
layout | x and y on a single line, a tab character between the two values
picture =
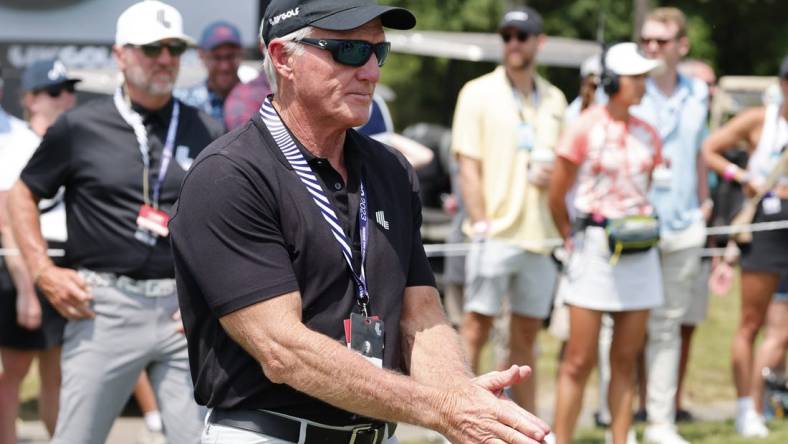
494	269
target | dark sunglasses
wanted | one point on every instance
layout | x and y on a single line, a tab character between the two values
153	50
54	91
351	52
521	36
661	42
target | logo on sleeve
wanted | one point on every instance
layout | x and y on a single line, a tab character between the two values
182	157
380	217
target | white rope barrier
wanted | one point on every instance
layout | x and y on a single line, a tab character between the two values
54	252
462	249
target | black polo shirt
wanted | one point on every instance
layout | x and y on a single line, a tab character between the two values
93	152
246	230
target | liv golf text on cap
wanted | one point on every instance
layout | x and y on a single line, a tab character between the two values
283	17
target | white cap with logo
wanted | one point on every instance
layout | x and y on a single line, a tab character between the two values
148	22
625	59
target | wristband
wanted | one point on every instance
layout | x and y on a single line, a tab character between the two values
481	227
730	172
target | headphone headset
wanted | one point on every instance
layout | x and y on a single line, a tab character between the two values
609	80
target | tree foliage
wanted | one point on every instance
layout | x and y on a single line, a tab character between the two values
743	37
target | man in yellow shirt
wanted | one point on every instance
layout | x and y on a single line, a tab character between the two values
506	126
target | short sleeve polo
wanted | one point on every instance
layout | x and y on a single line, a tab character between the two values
247	230
93	153
485	125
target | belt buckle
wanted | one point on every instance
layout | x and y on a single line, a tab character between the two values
364	428
151	288
156	288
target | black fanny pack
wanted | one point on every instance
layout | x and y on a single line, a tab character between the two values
626	235
632	234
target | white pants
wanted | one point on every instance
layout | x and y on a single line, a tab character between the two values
219	434
663	348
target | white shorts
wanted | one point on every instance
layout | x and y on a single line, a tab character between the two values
591	281
494	269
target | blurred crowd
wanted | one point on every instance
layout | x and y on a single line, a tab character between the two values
627	178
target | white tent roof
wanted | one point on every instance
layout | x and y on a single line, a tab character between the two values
487	47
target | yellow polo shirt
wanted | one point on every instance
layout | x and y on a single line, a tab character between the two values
485	127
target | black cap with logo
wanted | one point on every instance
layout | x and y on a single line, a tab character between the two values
44	73
283	17
522	19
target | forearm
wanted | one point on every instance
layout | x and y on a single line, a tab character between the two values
431	347
26	229
15	265
471	189
321	367
562	180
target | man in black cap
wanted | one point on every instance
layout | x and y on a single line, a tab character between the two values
506	126
221	53
297	249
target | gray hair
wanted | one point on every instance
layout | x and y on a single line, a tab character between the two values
291	47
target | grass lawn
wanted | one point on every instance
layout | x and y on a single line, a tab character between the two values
698	433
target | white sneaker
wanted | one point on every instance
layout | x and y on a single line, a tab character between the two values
751	425
631	439
663	434
146	436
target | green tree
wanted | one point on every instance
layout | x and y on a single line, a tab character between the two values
743	37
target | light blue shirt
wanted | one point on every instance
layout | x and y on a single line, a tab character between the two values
202	98
680	121
5	122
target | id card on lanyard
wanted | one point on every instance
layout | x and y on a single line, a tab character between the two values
363	333
525	133
151	221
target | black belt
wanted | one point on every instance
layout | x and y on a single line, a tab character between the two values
582	222
265	423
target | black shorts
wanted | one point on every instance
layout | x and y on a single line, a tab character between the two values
768	251
14	336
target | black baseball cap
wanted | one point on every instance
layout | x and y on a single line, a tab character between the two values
523	19
283	17
44	73
784	68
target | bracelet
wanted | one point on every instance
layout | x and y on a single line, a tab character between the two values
38	273
730	172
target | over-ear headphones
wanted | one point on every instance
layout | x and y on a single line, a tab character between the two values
608	79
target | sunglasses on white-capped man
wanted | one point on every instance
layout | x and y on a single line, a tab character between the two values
153	50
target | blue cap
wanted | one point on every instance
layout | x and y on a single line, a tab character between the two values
220	33
43	73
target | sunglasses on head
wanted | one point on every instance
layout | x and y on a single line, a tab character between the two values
645	41
521	36
351	52
153	50
54	91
